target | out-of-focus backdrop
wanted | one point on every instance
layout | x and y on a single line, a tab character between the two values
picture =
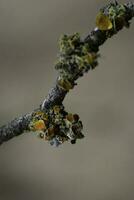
99	167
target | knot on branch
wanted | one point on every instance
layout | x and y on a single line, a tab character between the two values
56	125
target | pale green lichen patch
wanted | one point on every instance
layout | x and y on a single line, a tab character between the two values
75	59
68	44
57	126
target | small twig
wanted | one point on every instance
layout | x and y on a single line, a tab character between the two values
77	56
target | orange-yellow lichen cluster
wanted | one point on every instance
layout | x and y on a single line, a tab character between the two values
57	126
103	22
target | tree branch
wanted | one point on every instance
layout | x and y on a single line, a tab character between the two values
77	56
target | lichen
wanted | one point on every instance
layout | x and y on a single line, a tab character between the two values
113	17
57	125
103	22
65	84
75	59
39	121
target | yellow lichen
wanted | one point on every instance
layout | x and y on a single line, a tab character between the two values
39	125
70	117
65	84
103	22
41	115
89	58
56	109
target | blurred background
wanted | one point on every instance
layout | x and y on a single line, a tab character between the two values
99	167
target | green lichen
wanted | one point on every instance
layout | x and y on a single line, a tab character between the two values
75	59
68	44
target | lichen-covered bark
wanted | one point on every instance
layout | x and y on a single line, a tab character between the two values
57	94
97	37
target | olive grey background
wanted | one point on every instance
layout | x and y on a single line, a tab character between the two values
99	167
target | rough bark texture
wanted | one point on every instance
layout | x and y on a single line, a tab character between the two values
54	97
14	128
57	94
